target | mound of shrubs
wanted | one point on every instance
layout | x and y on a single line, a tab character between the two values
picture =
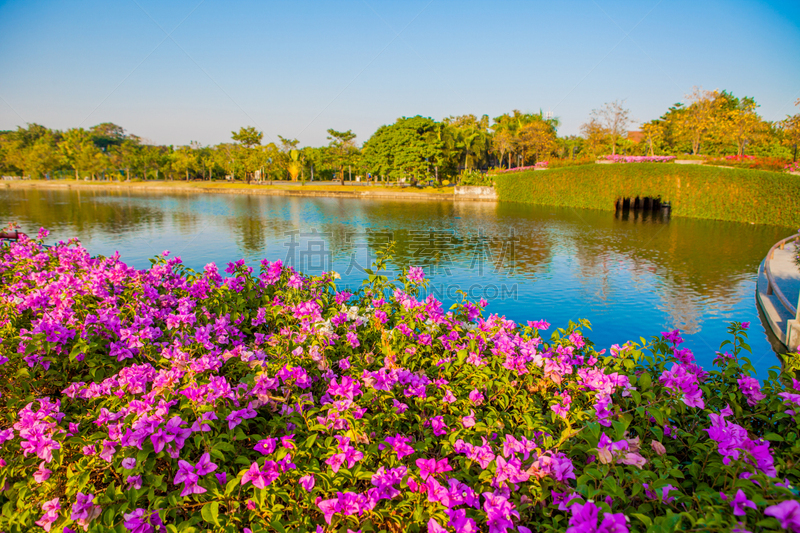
168	400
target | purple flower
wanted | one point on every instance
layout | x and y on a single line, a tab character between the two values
416	275
335	461
328	508
739	502
287	441
751	389
400	407
400	445
562	499
352	338
308	482
134	482
583	518
461	522
430	467
142	521
476	397
129	463
189	475
222	478
266	446
261	477
84	511
788	514
438	426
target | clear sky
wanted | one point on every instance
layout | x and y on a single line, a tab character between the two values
178	71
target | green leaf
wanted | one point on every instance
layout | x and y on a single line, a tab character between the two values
210	512
310	441
643	518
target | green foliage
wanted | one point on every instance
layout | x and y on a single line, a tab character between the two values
405	149
247	136
694	191
476	178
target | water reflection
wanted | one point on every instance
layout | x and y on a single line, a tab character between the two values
632	274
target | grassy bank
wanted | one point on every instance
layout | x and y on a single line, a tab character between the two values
695	191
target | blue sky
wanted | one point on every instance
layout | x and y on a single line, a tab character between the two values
174	72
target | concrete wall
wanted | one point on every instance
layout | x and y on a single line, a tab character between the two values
475	193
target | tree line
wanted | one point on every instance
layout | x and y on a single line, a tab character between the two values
412	148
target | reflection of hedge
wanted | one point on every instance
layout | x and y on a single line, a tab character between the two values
694	191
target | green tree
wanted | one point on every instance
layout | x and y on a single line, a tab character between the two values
124	156
698	119
409	148
32	150
108	134
343	150
743	123
537	138
184	160
791	131
653	133
80	152
596	136
247	136
503	142
472	139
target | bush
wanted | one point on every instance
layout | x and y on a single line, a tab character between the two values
169	400
475	178
693	191
640	158
560	163
691	157
750	162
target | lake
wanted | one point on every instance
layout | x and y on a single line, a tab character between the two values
631	274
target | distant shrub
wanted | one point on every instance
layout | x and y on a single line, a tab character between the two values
691	157
750	162
561	163
475	178
640	158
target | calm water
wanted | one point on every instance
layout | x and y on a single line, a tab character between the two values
630	276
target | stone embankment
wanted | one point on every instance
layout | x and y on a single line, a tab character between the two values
377	192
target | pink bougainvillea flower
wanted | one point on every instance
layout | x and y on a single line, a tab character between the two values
51	509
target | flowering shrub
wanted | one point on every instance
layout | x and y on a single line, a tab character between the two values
171	400
750	161
540	165
793	167
640	158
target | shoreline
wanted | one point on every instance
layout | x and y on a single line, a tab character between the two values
331	191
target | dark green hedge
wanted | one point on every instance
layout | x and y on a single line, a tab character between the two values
695	191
